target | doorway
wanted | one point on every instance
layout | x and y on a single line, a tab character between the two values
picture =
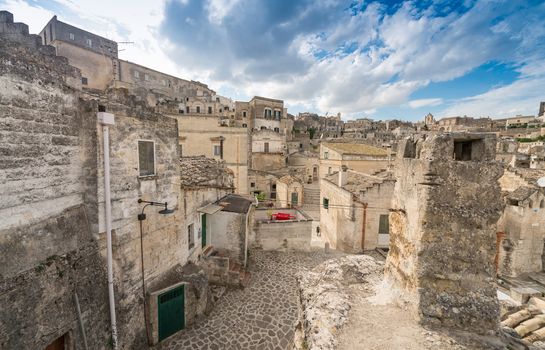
171	312
203	230
294	199
58	344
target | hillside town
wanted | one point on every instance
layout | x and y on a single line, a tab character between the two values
141	210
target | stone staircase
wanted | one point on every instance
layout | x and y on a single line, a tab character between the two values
222	270
311	201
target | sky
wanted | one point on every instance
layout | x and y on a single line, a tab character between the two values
377	59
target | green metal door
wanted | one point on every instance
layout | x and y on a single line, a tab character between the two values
171	312
294	199
203	224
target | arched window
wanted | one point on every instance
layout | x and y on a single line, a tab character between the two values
542	203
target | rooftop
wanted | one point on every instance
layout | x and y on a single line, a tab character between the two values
357	182
234	203
356	148
521	193
200	171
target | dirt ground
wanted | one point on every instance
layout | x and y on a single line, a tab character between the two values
379	323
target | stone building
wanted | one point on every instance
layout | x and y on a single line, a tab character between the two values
269	150
306	164
521	228
202	135
442	234
54	237
354	210
356	156
97	58
203	181
289	192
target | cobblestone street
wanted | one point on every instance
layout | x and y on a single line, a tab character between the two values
261	316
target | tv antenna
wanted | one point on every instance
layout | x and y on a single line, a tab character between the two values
124	43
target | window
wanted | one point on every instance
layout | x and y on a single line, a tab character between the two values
220	110
252	184
217	150
329	171
244	125
542	203
383	225
83	80
187	109
190	236
266	147
198	109
227	109
209	110
71	36
273	195
244	114
181	111
146	158
136	74
274	187
89	42
325	203
263	128
146	77
326	155
277	129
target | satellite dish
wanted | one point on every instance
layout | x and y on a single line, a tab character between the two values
541	182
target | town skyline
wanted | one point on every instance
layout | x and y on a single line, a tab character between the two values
405	61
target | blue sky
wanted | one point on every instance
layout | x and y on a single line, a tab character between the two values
380	59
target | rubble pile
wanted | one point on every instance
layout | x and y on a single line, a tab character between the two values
527	323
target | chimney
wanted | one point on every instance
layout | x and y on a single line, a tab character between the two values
343	176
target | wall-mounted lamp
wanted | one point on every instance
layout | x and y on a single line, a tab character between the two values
165	211
142	217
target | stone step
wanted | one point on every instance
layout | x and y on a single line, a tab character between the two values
245	278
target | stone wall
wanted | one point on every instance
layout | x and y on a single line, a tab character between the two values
228	234
46	236
281	235
443	229
54	231
268	161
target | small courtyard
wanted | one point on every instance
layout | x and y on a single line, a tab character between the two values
262	315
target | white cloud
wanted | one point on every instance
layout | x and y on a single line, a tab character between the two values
35	16
425	102
319	55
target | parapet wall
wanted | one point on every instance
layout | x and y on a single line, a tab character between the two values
446	203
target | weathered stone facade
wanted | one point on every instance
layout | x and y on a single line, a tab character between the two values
446	204
356	205
53	234
46	238
521	228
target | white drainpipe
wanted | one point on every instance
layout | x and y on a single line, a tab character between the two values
107	119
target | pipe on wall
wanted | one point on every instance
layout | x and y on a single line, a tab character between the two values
107	119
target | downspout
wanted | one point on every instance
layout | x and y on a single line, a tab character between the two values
363	224
107	119
246	232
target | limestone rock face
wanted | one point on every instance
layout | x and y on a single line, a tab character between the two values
446	203
324	298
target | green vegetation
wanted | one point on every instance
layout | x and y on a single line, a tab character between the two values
311	132
526	139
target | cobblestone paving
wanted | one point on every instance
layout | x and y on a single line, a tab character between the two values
261	316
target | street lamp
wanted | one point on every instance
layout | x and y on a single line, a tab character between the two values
142	217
